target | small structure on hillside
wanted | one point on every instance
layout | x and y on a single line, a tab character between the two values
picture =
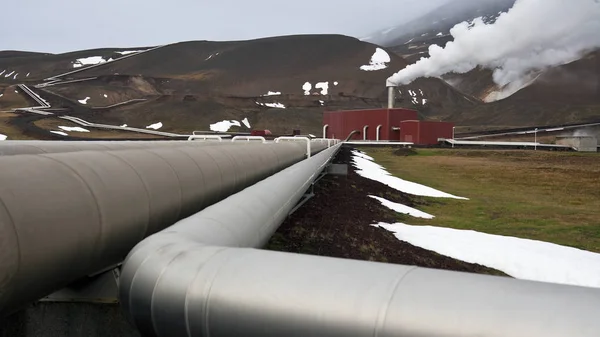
580	143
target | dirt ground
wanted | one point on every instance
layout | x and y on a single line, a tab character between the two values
337	223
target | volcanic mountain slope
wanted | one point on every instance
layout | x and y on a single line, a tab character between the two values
564	94
280	83
435	26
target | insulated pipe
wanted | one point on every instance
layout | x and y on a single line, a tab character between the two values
379	131
186	289
157	274
325	127
365	129
391	97
16	147
67	215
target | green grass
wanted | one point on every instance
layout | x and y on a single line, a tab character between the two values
553	197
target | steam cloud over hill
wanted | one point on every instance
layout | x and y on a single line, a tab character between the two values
531	36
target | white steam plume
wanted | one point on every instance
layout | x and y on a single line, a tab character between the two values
531	36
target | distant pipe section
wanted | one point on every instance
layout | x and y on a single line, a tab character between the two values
379	131
354	132
325	127
173	285
157	285
365	129
67	215
391	96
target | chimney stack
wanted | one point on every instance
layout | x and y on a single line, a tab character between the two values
391	97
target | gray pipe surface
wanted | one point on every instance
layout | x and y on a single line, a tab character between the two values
149	287
224	292
16	147
67	215
177	283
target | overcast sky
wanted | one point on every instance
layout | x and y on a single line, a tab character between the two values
67	25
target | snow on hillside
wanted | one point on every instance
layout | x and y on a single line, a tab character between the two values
155	126
272	93
73	128
246	122
272	105
88	61
224	126
3	137
378	61
127	52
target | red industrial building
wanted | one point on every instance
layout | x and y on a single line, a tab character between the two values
401	125
425	132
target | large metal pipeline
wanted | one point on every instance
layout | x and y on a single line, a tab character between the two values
224	292
151	285
15	147
177	283
67	215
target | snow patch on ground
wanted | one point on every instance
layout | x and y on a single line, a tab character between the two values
424	101
306	87
224	126
105	96
402	208
3	137
246	122
322	102
440	34
124	125
9	74
272	93
1	95
272	105
16	91
88	61
520	258
368	169
73	128
59	133
211	56
336	83
378	61
17	74
3	71
324	86
27	74
127	52
155	126
311	135
84	101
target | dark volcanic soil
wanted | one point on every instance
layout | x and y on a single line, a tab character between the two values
337	223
